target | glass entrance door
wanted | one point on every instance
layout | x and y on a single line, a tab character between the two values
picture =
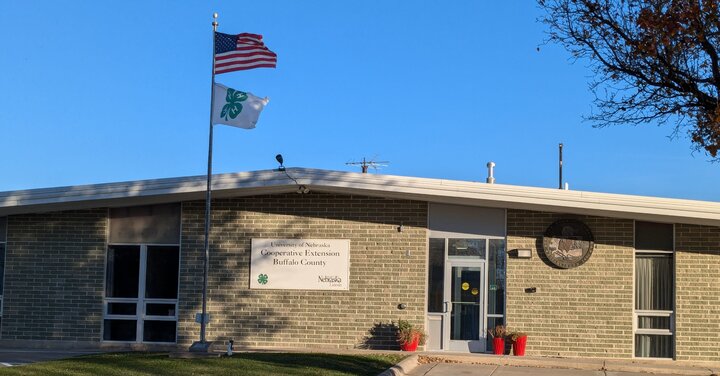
464	291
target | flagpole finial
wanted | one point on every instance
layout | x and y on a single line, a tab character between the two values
215	23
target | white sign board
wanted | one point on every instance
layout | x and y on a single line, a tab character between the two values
300	264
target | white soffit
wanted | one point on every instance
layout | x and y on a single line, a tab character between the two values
401	187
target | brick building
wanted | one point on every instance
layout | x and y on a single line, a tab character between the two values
584	274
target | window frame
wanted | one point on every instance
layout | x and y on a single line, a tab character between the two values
3	243
637	314
484	262
141	302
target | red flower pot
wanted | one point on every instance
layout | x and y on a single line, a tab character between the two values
498	346
412	345
519	346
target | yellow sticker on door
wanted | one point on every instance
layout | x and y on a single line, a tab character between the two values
465	286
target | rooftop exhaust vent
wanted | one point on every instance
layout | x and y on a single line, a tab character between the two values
490	178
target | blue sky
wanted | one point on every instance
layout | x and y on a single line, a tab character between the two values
98	92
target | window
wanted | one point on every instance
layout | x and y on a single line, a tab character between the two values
471	249
141	293
654	290
141	283
496	285
436	276
3	241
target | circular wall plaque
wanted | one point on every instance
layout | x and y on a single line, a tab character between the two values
568	243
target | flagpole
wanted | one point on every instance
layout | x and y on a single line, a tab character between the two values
203	345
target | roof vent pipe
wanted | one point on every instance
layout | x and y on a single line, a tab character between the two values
490	178
560	183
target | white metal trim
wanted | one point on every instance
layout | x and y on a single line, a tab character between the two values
159	318
180	260
674	295
485	294
105	265
121	300
2	291
431	190
506	259
652	251
447	304
140	308
657	332
653	313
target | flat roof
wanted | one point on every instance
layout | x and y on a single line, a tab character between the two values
142	192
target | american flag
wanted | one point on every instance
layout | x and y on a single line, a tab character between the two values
242	51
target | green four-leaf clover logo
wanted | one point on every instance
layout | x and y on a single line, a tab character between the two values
262	279
233	107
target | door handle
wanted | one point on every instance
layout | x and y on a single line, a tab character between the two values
445	308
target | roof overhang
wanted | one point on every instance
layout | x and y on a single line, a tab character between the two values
388	186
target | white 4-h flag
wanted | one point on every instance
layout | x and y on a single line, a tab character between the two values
236	108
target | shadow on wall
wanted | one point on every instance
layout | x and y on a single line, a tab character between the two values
257	317
541	254
382	336
318	205
246	316
236	312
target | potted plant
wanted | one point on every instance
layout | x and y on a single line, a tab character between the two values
409	336
519	340
498	336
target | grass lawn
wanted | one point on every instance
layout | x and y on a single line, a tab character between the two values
239	364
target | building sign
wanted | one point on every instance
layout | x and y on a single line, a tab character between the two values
300	264
568	243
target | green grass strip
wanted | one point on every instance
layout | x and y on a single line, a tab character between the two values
250	364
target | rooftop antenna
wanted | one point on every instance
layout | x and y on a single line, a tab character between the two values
364	164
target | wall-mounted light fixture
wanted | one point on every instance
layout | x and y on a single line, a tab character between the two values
523	253
301	189
279	158
401	227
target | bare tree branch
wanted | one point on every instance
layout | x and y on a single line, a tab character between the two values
656	61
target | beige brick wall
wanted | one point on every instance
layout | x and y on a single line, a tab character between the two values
54	270
382	275
584	311
697	298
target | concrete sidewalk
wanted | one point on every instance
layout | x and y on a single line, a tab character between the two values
433	363
455	369
420	360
